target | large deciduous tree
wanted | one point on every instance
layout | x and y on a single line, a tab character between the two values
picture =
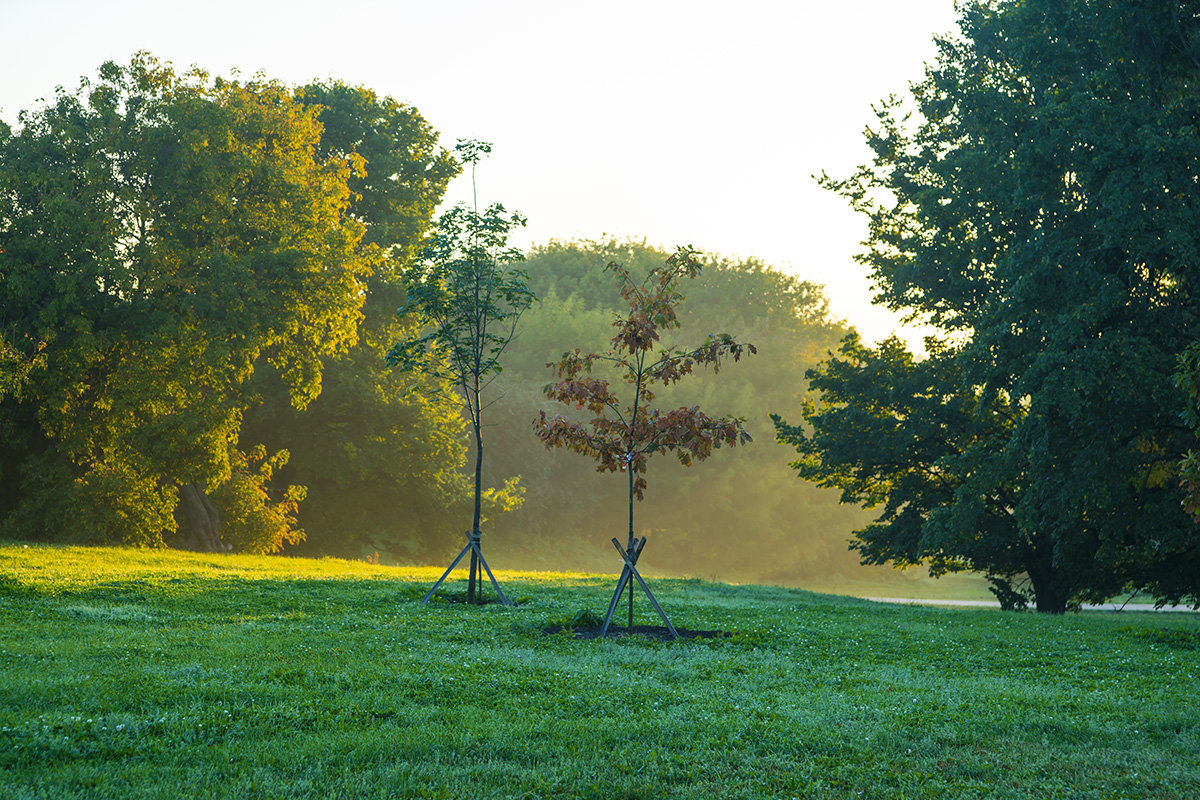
624	432
162	235
1040	209
465	296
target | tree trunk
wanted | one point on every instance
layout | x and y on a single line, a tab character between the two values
633	419
198	521
1048	595
629	546
475	577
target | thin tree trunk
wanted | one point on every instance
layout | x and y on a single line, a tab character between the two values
629	546
475	579
637	401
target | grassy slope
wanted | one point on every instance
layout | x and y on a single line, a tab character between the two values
146	674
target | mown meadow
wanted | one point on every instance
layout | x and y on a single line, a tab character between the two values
152	674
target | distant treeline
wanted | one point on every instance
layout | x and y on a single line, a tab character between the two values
741	514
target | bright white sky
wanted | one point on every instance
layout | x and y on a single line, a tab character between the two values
678	121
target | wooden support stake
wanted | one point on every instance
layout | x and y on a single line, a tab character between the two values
472	544
615	599
630	570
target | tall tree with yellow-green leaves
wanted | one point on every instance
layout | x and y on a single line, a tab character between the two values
162	237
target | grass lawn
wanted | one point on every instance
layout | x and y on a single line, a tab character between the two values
132	673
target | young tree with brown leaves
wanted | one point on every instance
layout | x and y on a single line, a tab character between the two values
622	435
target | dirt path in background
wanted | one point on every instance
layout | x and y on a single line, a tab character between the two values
993	604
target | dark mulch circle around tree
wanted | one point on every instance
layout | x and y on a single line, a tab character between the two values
457	599
656	633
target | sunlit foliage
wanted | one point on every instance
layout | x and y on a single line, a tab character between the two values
163	236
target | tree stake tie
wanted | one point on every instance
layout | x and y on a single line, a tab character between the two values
631	558
472	546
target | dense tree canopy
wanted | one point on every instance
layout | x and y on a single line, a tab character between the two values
1189	381
1040	209
173	250
161	234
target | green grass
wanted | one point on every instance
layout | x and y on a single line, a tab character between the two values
129	674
